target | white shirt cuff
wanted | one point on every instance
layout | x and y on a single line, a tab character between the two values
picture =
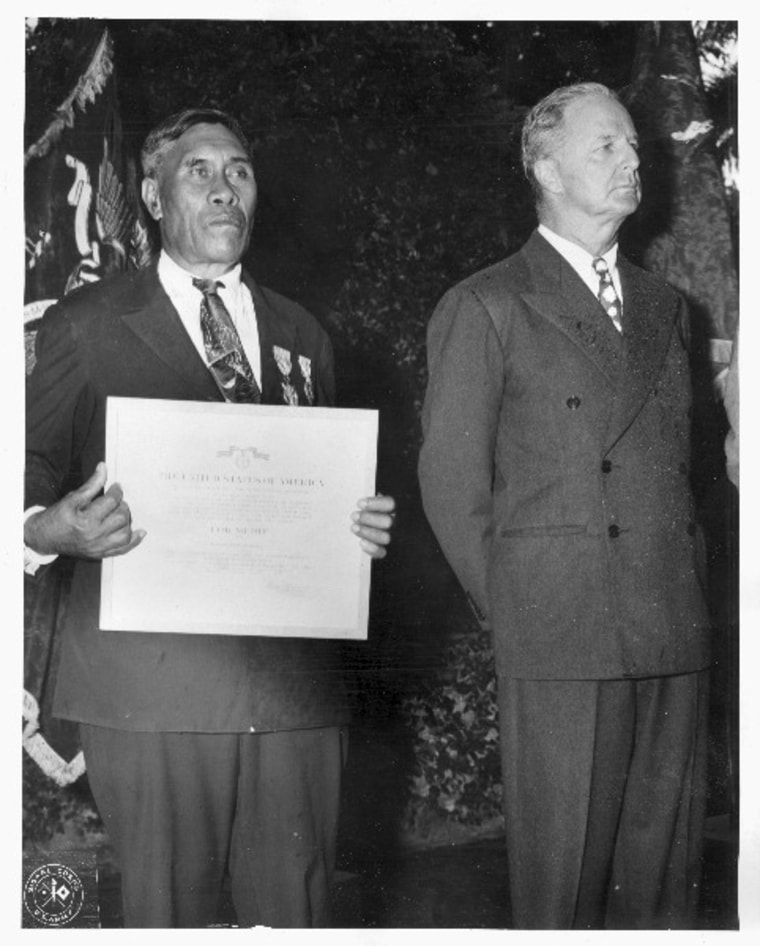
33	560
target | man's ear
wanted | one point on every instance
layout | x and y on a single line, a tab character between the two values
151	197
547	175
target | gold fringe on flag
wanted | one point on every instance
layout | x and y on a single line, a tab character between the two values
91	83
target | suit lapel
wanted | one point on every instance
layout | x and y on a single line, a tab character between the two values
154	320
150	314
648	323
282	379
559	294
269	336
632	361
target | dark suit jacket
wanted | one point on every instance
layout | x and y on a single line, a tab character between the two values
123	337
555	469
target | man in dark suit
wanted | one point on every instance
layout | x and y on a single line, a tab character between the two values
204	753
555	474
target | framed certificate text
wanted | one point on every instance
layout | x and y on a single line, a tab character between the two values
247	512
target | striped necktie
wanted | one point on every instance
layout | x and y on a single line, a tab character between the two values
224	350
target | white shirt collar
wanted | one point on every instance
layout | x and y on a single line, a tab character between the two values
576	255
581	260
174	277
178	284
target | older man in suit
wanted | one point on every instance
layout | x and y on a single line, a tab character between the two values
205	753
555	474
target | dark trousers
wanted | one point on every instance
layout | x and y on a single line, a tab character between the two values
604	792
182	808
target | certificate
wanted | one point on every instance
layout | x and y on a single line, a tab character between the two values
247	513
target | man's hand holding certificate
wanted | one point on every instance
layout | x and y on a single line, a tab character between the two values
247	512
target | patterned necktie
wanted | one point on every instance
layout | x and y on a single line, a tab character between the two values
607	296
224	350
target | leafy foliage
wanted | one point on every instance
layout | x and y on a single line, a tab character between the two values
717	45
49	810
387	157
457	776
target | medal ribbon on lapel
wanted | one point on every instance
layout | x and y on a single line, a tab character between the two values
284	364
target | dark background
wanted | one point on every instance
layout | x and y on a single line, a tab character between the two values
387	159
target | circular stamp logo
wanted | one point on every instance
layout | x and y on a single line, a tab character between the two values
53	895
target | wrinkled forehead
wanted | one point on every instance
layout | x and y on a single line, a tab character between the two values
215	144
210	139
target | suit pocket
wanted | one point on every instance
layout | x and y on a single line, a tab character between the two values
526	532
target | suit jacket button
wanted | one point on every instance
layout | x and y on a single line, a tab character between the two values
573	403
692	528
614	531
606	466
682	468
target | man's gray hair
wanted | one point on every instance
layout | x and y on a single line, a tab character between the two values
542	128
173	127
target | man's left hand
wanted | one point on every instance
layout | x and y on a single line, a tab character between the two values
373	523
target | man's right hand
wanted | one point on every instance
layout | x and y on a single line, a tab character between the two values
85	524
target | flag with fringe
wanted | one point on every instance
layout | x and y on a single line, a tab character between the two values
83	221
